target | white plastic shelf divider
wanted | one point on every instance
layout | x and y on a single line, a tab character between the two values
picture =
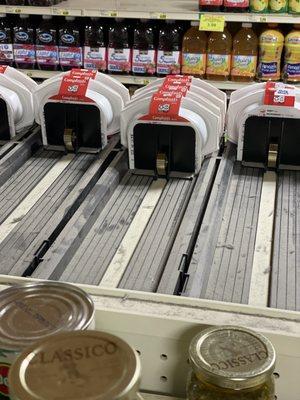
130	79
157	9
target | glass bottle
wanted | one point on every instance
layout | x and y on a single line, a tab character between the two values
231	363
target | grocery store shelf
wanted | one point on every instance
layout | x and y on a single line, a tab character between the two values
165	9
129	79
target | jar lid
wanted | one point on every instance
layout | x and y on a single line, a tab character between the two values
32	311
232	357
86	365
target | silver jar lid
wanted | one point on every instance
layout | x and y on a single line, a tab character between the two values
32	311
87	365
232	357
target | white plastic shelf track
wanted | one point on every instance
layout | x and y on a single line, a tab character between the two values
157	9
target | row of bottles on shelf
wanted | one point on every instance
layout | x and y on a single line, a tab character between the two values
113	48
245	56
255	6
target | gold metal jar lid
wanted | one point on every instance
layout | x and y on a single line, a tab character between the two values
85	365
232	357
32	311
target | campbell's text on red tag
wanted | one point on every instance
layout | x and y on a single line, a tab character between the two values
279	94
177	80
73	89
175	88
3	69
83	73
165	106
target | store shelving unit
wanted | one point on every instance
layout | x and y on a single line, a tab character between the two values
156	9
166	9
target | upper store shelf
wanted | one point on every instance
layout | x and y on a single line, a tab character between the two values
156	9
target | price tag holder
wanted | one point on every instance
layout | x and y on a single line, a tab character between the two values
65	12
13	10
155	15
212	23
108	13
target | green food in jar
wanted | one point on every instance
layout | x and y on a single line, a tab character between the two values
231	363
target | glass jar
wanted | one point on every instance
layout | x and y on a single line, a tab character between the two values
231	363
34	311
87	365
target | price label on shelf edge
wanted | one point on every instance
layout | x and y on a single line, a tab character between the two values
65	12
215	23
13	10
155	15
106	13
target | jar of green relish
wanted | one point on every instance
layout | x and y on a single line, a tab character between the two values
231	363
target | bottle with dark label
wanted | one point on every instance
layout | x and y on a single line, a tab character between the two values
70	50
15	2
119	51
24	43
46	45
210	5
144	53
169	49
95	46
6	47
42	3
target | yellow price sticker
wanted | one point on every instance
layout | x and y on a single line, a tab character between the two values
65	12
214	23
113	14
17	10
162	16
146	81
262	19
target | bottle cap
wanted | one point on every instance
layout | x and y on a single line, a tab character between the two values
194	23
86	365
246	25
232	357
32	311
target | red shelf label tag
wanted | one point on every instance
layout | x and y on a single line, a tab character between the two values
3	69
74	85
165	103
279	94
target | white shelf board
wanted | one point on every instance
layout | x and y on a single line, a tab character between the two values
156	9
131	80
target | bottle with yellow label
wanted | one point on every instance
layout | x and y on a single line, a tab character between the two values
294	6
194	46
271	43
291	69
244	54
278	6
219	49
259	6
